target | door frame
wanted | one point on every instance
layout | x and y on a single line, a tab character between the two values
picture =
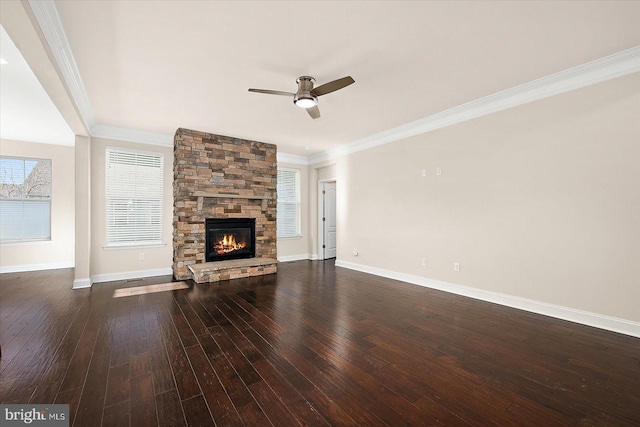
320	212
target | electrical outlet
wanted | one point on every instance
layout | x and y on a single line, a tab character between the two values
456	266
424	171
141	256
438	171
424	261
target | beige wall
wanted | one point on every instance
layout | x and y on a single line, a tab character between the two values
297	247
105	263
59	252
540	202
326	172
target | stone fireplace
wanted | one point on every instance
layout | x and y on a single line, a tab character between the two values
224	220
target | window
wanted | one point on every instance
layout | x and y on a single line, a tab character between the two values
288	215
133	197
25	199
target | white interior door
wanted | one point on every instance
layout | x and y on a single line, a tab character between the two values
329	220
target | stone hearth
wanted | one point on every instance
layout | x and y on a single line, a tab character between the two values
222	177
232	269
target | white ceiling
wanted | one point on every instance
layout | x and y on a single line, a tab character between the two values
155	66
24	102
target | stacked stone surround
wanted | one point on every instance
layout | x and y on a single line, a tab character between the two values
207	167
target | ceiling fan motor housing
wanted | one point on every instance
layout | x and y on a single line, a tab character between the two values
303	97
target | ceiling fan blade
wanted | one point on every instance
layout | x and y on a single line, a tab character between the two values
332	86
272	92
314	112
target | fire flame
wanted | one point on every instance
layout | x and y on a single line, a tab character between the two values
228	244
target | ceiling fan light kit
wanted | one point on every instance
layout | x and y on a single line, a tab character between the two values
305	102
304	98
307	97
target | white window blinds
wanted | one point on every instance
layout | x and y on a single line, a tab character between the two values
288	214
25	199
133	197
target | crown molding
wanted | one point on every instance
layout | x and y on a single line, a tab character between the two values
132	135
152	138
607	68
47	16
292	158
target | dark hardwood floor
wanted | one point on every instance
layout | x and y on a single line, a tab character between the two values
312	345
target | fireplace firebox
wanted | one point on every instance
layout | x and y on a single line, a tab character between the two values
231	238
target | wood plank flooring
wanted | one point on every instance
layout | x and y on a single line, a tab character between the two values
312	345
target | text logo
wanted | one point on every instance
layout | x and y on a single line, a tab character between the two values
34	415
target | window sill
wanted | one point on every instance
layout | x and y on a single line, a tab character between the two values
113	246
24	242
297	236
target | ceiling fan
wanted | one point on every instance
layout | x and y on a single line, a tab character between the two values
307	96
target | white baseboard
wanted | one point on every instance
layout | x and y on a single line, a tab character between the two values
81	284
36	267
125	275
601	321
288	258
